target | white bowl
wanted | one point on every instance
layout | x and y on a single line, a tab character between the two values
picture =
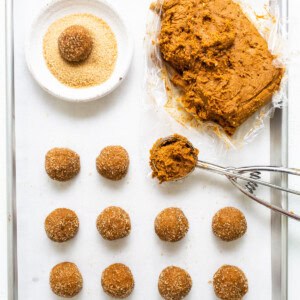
34	48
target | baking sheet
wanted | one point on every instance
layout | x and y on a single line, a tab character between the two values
293	146
43	122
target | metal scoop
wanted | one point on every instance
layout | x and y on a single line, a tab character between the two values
250	175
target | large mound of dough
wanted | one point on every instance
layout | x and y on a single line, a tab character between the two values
221	62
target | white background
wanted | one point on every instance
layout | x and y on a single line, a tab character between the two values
44	122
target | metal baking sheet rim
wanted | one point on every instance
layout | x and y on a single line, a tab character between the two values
278	136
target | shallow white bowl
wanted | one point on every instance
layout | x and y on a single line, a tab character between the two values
34	48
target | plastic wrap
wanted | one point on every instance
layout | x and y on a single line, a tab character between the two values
162	94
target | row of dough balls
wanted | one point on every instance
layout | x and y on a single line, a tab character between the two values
63	164
174	283
170	225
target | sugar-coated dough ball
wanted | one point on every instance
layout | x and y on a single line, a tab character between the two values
75	43
230	283
61	225
66	280
117	281
171	224
229	224
113	162
62	164
174	283
113	223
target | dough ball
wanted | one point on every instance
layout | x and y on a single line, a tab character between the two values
230	283
75	43
117	281
174	283
113	162
171	225
229	224
113	223
62	164
66	280
61	225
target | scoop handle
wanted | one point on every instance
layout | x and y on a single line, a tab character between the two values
264	203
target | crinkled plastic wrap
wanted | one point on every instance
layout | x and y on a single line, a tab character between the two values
164	95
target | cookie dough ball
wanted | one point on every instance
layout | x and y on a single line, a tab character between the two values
75	44
113	162
174	283
113	223
117	281
171	225
229	224
66	280
230	283
61	225
62	164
